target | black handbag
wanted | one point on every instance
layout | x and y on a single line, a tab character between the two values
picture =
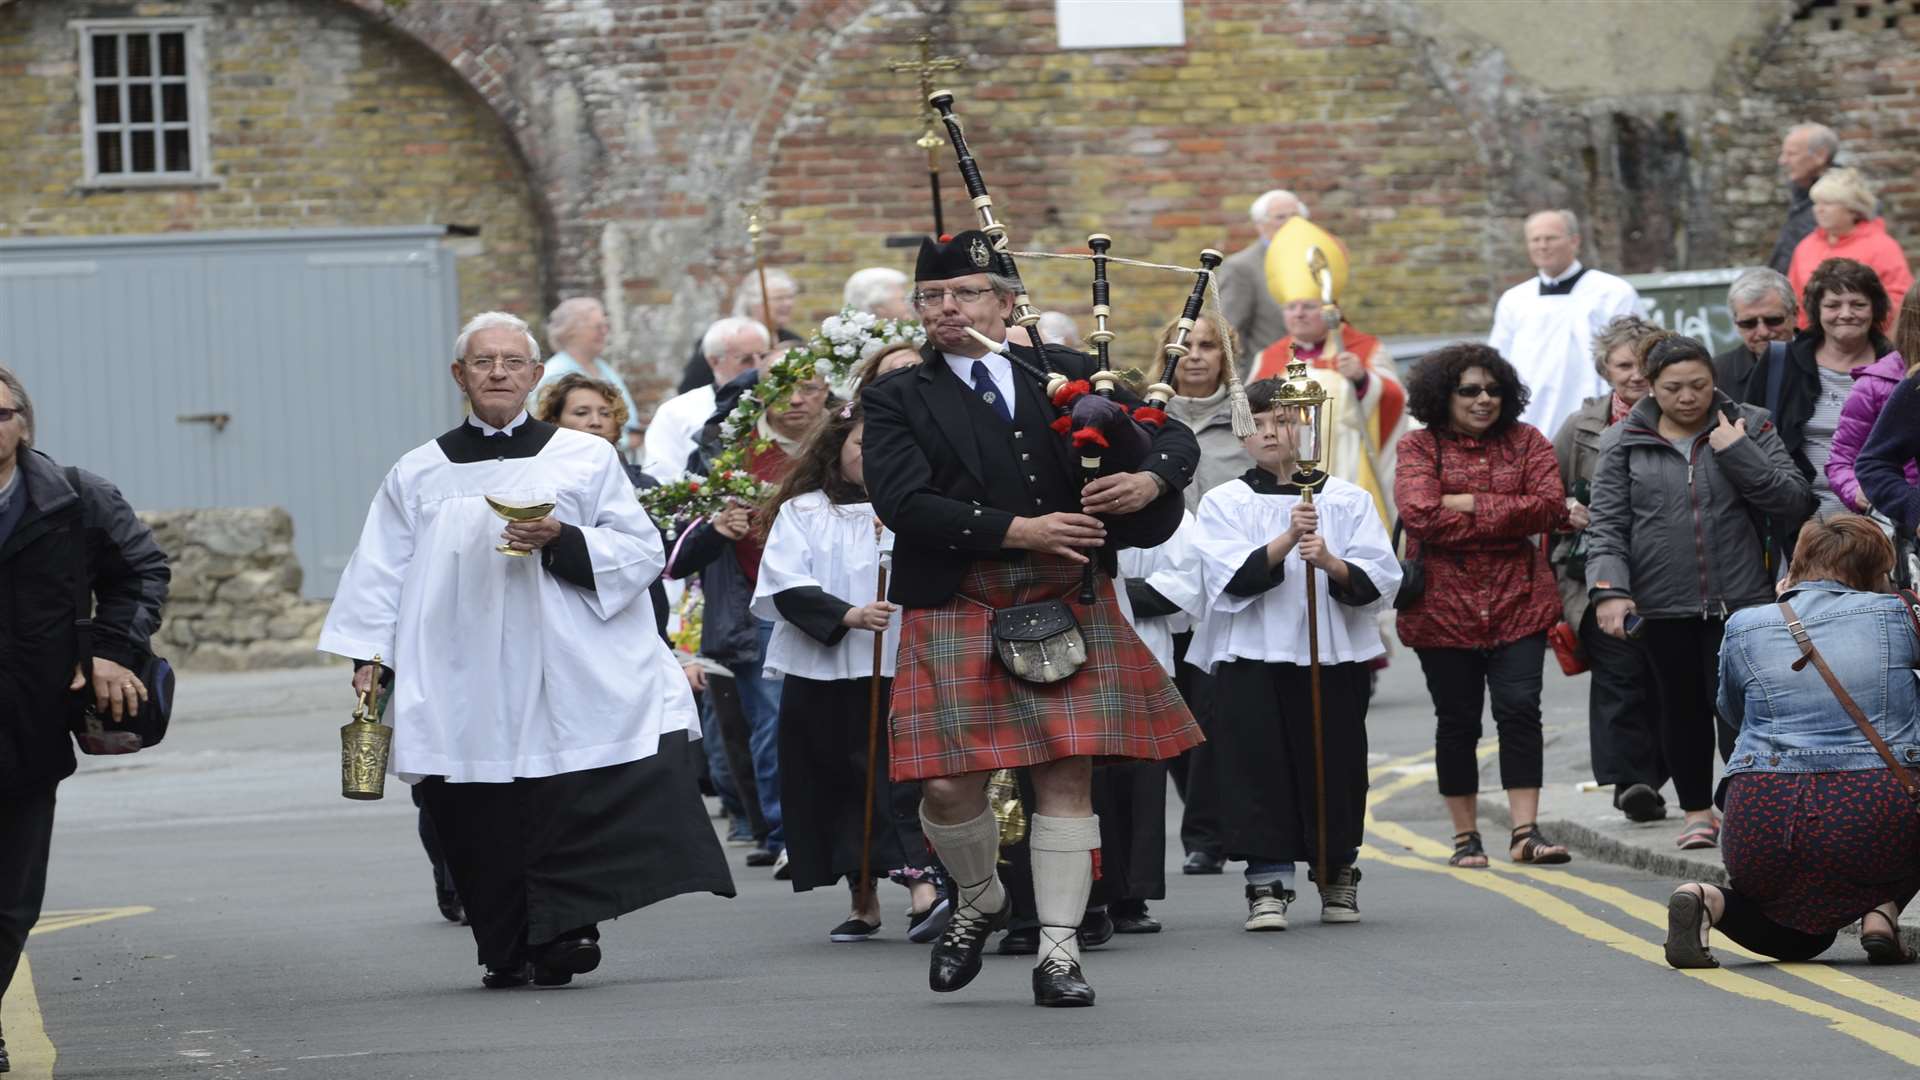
92	732
1040	643
1413	575
1413	572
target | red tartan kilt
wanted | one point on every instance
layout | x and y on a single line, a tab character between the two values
957	710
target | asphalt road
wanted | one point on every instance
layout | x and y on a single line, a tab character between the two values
292	933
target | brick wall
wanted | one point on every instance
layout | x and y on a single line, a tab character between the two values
319	118
1163	149
644	123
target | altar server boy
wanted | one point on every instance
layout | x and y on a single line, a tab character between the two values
1257	536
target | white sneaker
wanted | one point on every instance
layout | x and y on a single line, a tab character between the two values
1340	898
1267	906
780	871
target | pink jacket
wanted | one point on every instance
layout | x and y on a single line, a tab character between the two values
1867	243
1872	385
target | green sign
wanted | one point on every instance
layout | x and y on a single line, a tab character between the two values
1691	302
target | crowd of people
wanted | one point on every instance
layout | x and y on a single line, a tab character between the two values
1685	526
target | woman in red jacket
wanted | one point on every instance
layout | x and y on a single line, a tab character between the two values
1474	488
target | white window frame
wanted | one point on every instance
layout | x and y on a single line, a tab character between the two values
197	122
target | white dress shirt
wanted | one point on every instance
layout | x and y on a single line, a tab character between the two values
999	368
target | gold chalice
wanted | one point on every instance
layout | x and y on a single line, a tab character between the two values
518	512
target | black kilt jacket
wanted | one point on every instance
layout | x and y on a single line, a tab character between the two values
948	476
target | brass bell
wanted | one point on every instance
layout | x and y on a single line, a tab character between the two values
365	743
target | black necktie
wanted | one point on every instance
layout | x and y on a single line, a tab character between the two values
1561	288
983	385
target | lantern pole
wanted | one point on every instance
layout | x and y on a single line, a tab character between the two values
1304	395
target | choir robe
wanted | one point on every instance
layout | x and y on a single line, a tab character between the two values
822	560
1253	639
533	698
1548	338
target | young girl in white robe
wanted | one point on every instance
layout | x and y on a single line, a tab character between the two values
818	583
1256	537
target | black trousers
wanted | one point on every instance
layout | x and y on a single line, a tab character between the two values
1192	771
1459	681
735	738
26	839
1684	657
1623	728
1131	799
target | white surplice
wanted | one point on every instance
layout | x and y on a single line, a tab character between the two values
1173	570
1549	340
501	669
1234	522
835	549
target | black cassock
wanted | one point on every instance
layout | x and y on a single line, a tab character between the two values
1262	739
823	765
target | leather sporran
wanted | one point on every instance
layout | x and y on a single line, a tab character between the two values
1040	643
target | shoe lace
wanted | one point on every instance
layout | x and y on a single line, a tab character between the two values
967	922
1056	964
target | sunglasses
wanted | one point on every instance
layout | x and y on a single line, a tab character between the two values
1469	391
8	414
1774	322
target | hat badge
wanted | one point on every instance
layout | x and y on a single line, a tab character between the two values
979	253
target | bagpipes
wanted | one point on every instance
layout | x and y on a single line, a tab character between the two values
1106	435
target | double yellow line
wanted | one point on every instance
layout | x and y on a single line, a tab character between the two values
1429	856
28	1048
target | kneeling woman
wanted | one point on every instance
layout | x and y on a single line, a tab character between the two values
1818	831
819	580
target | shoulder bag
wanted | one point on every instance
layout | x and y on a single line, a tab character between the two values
1413	571
92	732
1811	655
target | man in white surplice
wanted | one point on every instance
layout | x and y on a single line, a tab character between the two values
1545	325
544	719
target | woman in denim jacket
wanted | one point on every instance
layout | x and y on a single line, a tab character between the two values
1818	831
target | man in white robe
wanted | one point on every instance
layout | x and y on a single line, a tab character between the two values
732	347
545	720
1545	325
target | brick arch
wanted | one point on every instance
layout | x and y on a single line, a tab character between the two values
1162	148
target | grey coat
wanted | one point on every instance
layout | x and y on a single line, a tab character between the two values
1684	539
1222	456
1248	306
1577	448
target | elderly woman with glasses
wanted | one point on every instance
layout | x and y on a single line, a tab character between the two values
1682	495
1475	487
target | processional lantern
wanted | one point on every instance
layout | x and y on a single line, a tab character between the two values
1303	405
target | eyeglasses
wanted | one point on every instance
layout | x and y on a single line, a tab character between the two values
923	299
514	364
8	414
1470	391
1774	322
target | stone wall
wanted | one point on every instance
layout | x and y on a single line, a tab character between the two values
235	602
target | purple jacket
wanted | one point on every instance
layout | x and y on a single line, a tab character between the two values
1872	385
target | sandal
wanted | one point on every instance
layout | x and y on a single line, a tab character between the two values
1698	836
1883	948
1466	845
1687	923
1535	848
